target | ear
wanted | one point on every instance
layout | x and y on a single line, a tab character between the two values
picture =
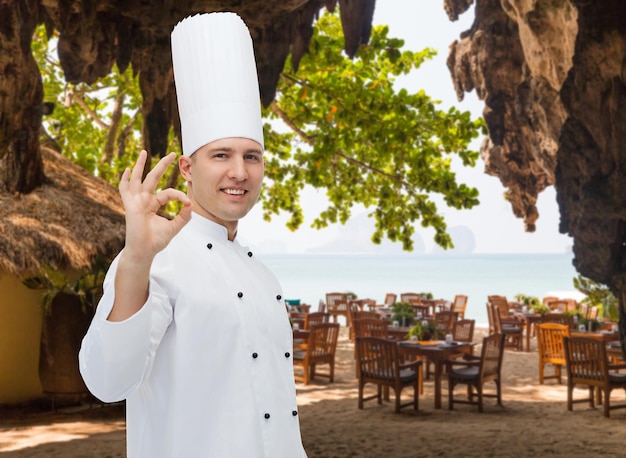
184	165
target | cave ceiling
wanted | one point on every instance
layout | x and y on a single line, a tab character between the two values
551	75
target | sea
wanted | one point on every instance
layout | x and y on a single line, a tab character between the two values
308	277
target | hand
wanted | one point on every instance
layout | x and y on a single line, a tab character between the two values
147	233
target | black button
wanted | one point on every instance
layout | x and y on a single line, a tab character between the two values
239	294
209	245
294	412
255	355
267	415
250	253
279	297
287	355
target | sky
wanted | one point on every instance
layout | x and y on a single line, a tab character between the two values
490	227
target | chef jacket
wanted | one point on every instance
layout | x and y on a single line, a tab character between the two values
206	365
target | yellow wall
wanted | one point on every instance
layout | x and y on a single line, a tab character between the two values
20	330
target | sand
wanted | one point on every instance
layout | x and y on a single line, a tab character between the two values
533	421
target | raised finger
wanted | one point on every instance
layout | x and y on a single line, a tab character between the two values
137	172
152	178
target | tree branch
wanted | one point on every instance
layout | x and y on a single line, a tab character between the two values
74	96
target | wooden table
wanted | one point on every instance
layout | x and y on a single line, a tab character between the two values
530	320
398	332
436	351
606	336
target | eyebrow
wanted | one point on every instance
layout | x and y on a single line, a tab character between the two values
227	149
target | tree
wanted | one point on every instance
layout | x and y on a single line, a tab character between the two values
349	132
355	135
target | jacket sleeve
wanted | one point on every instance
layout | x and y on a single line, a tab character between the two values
115	357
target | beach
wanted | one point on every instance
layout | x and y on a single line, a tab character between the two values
533	421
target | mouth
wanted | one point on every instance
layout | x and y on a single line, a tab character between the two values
234	192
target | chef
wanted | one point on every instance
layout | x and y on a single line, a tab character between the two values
192	330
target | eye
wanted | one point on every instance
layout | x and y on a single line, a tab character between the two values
255	157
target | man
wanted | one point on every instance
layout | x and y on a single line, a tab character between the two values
192	330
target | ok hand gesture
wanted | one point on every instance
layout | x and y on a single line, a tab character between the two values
147	232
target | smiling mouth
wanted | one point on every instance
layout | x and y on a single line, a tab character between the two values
235	192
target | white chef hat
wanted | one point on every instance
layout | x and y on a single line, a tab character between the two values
216	80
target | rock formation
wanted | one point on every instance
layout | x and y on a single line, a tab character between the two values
95	34
552	74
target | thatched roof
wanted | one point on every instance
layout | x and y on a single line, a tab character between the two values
65	223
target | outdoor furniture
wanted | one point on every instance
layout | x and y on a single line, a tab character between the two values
437	352
319	349
476	371
513	334
547	299
459	305
587	364
558	306
313	318
528	321
337	305
379	362
463	330
390	299
359	315
550	348
299	319
560	318
411	298
445	321
502	304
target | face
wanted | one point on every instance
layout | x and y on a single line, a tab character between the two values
224	180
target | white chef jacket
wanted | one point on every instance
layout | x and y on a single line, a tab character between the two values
206	365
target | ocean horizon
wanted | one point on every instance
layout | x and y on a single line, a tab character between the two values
309	277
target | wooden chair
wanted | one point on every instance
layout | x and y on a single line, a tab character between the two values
459	305
559	318
299	318
371	327
314	318
321	306
571	306
503	306
390	299
476	371
463	330
546	300
319	349
355	315
587	364
445	320
550	348
411	298
513	334
337	305
492	324
379	362
558	306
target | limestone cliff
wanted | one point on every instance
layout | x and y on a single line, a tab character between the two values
552	74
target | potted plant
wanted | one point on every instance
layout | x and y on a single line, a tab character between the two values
68	307
426	330
403	313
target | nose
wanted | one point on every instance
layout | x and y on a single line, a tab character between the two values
238	170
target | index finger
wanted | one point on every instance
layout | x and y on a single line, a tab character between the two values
152	178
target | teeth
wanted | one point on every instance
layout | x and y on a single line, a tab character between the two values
235	192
